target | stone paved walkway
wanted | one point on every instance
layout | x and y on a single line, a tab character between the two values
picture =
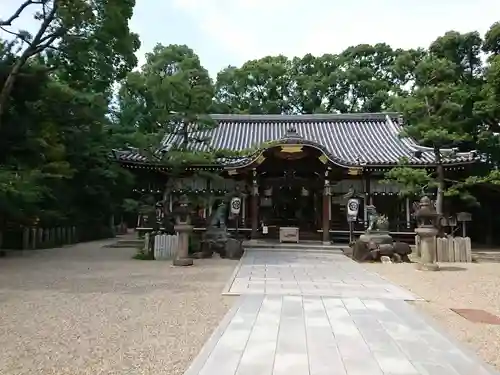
317	274
275	330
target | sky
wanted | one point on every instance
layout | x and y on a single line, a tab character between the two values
230	32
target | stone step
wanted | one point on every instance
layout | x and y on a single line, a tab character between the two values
128	243
293	247
486	257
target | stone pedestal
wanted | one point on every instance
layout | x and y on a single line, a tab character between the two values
181	257
377	237
427	236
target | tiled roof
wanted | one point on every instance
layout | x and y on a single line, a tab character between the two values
346	139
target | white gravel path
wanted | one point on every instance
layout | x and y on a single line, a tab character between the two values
458	285
92	310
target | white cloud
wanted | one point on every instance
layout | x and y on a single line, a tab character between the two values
251	29
246	28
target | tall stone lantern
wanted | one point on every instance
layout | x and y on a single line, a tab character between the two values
183	228
427	229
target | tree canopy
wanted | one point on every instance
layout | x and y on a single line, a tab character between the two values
71	92
54	129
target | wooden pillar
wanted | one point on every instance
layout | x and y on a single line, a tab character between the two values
368	199
326	210
243	210
408	213
255	206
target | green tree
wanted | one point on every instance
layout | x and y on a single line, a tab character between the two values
440	109
361	79
259	87
91	36
366	77
56	136
169	99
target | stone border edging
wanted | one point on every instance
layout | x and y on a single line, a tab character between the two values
227	288
199	361
433	323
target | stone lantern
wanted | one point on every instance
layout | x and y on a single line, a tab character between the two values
183	228
427	219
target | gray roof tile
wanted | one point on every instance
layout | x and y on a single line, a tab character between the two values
347	139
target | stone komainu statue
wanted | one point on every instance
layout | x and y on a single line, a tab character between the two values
217	238
377	242
376	222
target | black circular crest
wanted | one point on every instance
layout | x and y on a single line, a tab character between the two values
353	206
236	204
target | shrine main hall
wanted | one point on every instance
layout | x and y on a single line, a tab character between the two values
299	173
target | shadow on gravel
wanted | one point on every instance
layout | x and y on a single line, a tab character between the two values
451	268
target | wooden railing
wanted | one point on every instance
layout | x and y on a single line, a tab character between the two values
43	238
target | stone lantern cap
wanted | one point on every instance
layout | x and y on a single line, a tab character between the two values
426	214
182	210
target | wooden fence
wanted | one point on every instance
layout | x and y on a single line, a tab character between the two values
42	238
31	238
451	249
165	245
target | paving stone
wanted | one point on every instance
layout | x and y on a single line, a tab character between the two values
319	315
258	356
326	275
362	366
427	368
291	348
395	363
226	355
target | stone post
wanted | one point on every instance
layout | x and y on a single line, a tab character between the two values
254	211
53	237
183	228
47	238
182	253
427	230
326	210
33	235
40	238
26	238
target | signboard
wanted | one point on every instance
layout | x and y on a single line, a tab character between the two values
464	216
235	206
352	209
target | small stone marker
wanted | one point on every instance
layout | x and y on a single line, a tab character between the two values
385	259
462	250
468	250
442	249
451	251
456	249
478	316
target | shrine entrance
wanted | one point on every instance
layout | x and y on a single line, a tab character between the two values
291	190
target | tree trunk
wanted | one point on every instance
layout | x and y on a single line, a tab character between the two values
440	191
9	85
440	182
168	224
37	45
151	245
2	227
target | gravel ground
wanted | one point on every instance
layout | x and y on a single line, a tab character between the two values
92	310
457	285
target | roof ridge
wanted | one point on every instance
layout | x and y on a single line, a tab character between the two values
306	117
